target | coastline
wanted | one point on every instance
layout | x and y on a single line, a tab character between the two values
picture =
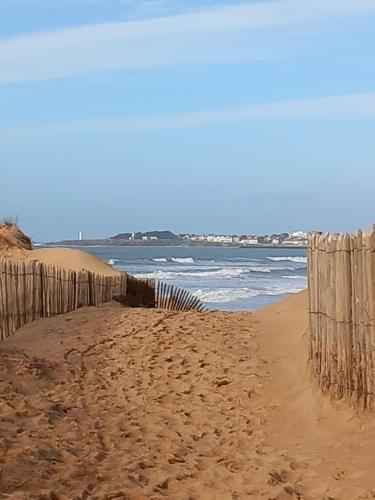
161	243
224	277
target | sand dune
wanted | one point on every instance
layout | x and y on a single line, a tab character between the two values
69	258
16	245
127	403
11	237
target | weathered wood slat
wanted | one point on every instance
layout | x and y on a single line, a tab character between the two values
30	290
173	298
341	281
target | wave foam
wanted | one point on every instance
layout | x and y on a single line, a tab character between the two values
266	269
183	260
302	278
292	259
214	273
222	295
177	260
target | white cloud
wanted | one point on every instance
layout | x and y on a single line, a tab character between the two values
354	106
244	32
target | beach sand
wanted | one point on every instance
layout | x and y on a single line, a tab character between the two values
121	403
69	258
16	245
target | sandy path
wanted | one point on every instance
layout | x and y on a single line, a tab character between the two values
331	446
112	403
109	403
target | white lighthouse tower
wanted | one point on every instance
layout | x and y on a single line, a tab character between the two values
80	236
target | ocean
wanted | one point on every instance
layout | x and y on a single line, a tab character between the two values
226	278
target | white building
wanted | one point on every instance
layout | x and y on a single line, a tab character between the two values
299	234
219	238
252	240
293	240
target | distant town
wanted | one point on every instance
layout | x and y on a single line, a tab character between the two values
168	238
298	238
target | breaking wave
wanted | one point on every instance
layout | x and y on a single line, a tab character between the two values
292	259
223	295
291	277
214	273
177	260
221	279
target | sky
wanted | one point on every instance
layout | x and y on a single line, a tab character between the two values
193	116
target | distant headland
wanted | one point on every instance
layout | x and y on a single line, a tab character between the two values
168	238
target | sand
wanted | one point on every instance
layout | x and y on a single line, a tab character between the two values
69	258
121	403
11	237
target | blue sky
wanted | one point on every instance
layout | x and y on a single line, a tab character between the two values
199	116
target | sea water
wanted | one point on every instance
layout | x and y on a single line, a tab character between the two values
227	278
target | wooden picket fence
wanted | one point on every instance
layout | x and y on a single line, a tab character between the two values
341	281
151	293
31	290
176	299
139	293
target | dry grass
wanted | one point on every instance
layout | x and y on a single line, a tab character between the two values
10	221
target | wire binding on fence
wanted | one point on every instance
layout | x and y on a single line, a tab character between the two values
341	279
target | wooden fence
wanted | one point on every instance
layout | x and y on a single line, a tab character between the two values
151	293
176	299
31	290
341	280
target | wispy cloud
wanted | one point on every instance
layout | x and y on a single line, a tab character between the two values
243	32
355	106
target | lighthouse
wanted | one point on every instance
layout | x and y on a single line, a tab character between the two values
80	236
